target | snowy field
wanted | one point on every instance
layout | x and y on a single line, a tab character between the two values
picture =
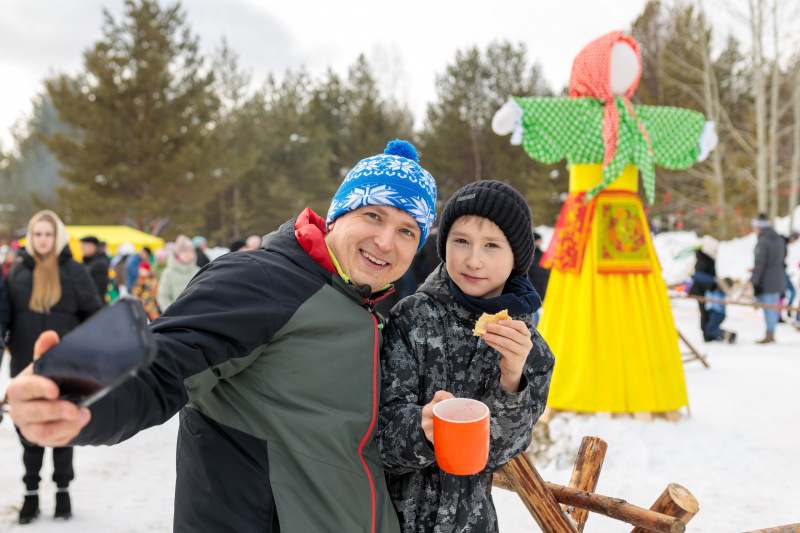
738	453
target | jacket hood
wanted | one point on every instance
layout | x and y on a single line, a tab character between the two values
62	235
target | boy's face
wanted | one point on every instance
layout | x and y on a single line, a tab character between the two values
479	257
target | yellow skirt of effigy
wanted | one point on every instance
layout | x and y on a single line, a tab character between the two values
612	334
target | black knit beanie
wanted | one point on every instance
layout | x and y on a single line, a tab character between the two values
501	204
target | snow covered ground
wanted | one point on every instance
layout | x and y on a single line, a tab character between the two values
737	453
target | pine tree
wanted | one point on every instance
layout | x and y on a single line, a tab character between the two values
310	133
458	146
235	151
29	174
141	119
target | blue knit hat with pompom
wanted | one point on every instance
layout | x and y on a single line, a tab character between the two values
393	178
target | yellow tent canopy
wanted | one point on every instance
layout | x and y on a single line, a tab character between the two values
113	236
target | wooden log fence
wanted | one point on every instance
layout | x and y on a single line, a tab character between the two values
618	509
668	515
674	501
586	474
536	496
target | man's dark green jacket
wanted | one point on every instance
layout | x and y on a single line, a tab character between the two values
272	360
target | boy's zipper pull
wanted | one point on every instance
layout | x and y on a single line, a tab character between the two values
380	325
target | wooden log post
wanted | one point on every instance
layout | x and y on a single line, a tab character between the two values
674	501
791	528
611	507
531	488
585	475
500	481
617	509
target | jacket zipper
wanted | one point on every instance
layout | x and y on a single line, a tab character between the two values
374	409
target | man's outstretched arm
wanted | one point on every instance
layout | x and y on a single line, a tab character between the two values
219	324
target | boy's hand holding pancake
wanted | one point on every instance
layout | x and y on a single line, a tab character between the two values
512	339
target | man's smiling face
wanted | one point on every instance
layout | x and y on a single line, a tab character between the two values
374	244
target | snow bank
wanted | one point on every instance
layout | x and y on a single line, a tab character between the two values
782	223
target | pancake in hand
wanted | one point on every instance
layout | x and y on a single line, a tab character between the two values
480	325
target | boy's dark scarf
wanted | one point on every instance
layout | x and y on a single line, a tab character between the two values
519	298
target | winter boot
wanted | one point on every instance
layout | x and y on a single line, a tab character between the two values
729	337
63	506
768	339
30	508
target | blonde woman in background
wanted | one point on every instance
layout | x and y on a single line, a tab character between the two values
47	290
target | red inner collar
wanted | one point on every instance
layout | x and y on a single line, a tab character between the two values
310	230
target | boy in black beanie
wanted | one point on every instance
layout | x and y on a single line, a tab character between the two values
430	354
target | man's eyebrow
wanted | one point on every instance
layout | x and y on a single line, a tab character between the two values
409	225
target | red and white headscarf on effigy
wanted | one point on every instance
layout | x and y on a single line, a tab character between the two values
591	77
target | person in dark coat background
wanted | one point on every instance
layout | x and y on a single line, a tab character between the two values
705	277
769	274
5	319
426	260
538	275
238	245
200	245
48	290
96	263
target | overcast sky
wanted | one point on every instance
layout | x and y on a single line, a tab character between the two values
415	39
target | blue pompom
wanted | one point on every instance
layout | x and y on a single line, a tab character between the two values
402	149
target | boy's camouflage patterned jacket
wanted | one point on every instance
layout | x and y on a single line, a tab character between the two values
429	347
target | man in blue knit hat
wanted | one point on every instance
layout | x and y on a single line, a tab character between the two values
271	357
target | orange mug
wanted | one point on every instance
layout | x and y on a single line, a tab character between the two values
461	435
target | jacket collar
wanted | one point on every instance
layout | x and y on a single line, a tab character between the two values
438	287
310	230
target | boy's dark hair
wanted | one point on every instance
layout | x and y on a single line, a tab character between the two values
501	204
